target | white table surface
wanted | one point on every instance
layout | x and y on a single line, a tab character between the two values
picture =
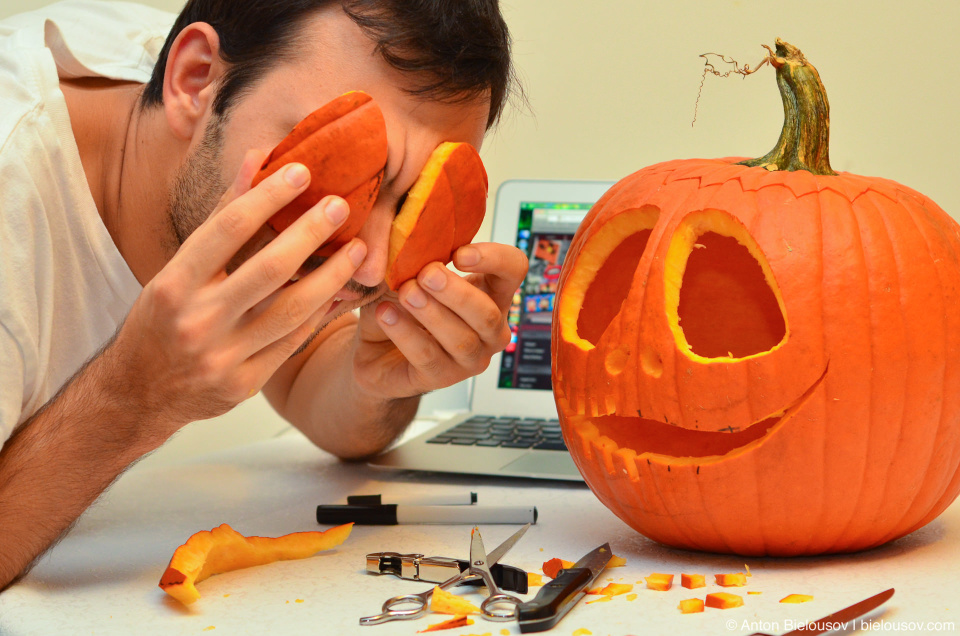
102	578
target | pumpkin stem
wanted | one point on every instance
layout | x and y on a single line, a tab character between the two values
804	140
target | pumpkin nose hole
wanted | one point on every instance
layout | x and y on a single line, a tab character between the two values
610	287
651	363
727	307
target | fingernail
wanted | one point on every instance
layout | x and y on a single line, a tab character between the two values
468	256
296	174
336	210
416	298
357	251
389	314
434	278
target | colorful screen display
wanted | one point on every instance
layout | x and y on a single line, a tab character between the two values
544	233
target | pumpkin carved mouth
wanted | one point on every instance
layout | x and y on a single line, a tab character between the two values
670	444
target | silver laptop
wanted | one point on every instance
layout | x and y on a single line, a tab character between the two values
511	428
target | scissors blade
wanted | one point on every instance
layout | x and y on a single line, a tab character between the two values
504	547
478	554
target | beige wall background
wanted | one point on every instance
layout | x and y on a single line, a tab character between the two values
612	87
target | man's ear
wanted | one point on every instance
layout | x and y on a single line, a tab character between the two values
190	78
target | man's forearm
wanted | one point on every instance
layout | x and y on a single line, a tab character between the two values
61	460
326	404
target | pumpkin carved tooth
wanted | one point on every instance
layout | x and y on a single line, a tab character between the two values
761	379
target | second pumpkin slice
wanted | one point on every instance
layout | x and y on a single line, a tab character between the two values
442	212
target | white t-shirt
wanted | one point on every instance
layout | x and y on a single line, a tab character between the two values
64	286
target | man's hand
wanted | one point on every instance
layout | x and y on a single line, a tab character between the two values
444	329
199	341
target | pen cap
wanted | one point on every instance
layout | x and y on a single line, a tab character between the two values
369	515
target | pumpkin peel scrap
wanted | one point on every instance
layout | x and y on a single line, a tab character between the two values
223	549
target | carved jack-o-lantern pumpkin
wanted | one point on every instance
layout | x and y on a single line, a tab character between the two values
764	357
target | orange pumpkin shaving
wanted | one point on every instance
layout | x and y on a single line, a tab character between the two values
453	623
724	600
691	581
660	582
534	579
616	562
690	606
444	602
796	598
223	549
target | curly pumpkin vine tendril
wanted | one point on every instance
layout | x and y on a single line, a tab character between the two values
708	67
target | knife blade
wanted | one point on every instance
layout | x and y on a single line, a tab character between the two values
830	622
555	599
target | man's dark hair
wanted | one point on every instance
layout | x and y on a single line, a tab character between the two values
457	48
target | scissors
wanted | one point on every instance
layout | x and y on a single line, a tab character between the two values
493	608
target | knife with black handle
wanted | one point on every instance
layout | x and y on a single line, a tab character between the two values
556	598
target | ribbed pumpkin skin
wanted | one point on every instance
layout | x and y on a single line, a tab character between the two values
867	377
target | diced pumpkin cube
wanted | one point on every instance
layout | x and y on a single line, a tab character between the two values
691	581
690	605
796	598
724	600
737	579
660	582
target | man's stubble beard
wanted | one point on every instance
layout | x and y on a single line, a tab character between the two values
197	188
198	184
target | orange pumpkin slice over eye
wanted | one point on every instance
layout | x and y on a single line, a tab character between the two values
442	212
223	549
344	144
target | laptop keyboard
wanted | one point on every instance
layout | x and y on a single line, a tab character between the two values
504	432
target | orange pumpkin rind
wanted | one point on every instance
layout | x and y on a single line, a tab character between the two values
223	549
344	145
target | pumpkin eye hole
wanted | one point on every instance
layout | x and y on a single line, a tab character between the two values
605	296
728	305
600	277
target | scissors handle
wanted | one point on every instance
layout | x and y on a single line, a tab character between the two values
389	613
490	606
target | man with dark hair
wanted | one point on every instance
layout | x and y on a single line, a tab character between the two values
139	287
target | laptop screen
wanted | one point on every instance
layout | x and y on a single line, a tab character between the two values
544	232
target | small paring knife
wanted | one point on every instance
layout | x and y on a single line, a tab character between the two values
555	599
835	620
